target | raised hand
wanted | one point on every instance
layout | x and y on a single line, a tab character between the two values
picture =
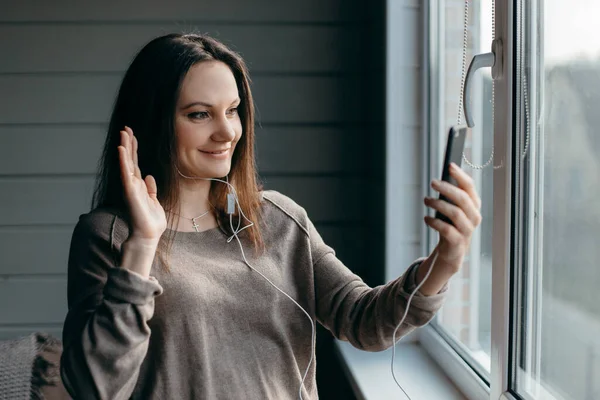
464	213
148	219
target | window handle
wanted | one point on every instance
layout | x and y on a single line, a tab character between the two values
493	60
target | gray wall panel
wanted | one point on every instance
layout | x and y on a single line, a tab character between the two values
42	201
61	64
75	149
110	47
59	200
181	10
31	301
51	252
311	150
50	149
88	98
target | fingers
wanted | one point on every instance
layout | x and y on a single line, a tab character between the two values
465	182
456	215
460	198
126	144
132	144
447	231
129	142
134	149
125	168
151	186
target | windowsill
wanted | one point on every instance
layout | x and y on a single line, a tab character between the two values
371	378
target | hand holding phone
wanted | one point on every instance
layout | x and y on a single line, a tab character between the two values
459	199
453	154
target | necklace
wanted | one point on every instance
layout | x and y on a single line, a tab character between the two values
194	224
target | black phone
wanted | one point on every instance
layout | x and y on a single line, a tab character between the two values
454	150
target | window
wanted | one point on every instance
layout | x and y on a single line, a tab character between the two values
523	316
557	340
465	319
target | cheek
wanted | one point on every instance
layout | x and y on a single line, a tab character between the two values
182	131
238	129
188	134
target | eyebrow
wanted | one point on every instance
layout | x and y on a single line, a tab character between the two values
202	103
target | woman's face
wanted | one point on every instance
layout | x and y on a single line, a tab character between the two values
207	125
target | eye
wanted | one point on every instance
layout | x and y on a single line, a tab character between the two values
198	115
232	111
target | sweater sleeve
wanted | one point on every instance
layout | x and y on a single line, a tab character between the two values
105	334
366	317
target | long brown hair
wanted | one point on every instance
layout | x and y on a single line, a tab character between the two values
146	102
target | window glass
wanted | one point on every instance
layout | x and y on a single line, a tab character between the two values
465	318
558	324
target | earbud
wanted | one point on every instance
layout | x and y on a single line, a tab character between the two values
230	203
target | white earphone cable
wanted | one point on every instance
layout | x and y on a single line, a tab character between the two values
435	256
312	325
235	235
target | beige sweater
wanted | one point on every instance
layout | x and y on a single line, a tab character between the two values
212	328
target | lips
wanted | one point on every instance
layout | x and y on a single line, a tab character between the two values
215	151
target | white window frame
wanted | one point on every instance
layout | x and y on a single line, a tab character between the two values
533	304
463	375
502	230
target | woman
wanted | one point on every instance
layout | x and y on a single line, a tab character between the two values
164	304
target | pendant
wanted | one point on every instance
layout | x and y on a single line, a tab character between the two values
196	226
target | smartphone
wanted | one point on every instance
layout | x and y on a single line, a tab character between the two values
454	150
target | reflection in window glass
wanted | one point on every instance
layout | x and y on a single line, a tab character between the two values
560	336
465	317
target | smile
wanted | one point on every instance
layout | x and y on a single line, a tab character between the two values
215	152
216	155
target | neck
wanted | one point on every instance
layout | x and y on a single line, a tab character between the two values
193	201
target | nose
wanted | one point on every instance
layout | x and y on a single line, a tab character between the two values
224	131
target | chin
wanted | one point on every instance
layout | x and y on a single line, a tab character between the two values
215	172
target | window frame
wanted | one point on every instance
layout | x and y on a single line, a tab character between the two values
517	188
503	255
